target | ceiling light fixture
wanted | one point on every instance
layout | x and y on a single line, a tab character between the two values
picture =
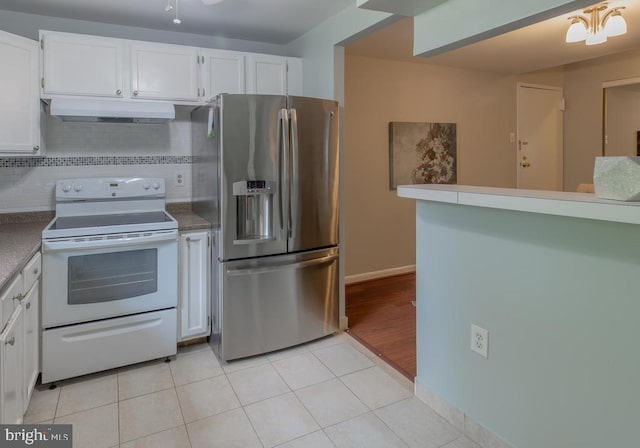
176	19
595	30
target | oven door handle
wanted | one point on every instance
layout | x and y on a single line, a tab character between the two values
122	241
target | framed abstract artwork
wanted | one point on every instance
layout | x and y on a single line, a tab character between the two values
422	153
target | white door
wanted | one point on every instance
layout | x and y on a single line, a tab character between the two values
31	341
223	72
11	374
75	64
194	280
19	94
540	148
267	75
164	72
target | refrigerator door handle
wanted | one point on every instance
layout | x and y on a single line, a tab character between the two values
283	177
293	195
280	266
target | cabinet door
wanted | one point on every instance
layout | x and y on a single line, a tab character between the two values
164	72
76	64
11	376
9	299
20	99
223	72
194	283
267	75
294	76
31	307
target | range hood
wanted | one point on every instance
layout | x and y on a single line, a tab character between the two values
111	111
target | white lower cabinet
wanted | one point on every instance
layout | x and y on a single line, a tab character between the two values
31	307
20	342
11	370
194	285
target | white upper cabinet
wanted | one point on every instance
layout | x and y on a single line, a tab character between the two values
267	75
165	72
223	72
294	76
74	64
80	65
19	94
274	75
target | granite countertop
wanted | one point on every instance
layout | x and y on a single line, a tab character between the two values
186	217
18	243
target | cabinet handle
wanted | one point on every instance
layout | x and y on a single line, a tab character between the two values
198	91
11	341
18	298
203	91
35	271
135	93
28	305
118	92
188	239
36	148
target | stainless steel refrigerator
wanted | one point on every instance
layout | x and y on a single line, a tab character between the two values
265	173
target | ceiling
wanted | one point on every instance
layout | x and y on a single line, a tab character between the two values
535	47
270	21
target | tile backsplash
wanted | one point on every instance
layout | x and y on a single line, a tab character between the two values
98	150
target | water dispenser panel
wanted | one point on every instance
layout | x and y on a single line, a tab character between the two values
254	211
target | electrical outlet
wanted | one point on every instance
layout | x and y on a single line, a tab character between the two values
179	179
480	341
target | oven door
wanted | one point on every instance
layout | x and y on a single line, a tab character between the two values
92	278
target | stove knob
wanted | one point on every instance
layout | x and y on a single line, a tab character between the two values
156	185
77	187
66	188
146	185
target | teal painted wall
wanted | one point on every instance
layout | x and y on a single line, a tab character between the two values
456	23
561	301
321	71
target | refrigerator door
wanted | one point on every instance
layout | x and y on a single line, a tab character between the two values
313	174
252	151
277	302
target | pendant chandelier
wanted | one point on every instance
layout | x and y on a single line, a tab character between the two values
597	26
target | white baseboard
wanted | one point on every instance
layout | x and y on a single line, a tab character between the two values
472	429
344	323
357	278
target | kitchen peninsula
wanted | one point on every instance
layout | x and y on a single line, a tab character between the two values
553	277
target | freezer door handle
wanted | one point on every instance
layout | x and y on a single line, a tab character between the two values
294	185
283	178
280	266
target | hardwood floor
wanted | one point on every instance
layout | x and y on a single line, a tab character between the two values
382	317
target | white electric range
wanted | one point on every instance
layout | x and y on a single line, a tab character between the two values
109	286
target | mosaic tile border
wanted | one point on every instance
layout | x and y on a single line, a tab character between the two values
33	162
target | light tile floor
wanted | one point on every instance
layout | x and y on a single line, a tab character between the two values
329	393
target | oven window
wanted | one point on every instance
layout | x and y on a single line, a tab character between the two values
112	276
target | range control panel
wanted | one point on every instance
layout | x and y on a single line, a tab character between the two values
109	188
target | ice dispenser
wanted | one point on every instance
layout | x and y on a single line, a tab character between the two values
254	208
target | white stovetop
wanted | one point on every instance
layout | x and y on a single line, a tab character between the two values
560	203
